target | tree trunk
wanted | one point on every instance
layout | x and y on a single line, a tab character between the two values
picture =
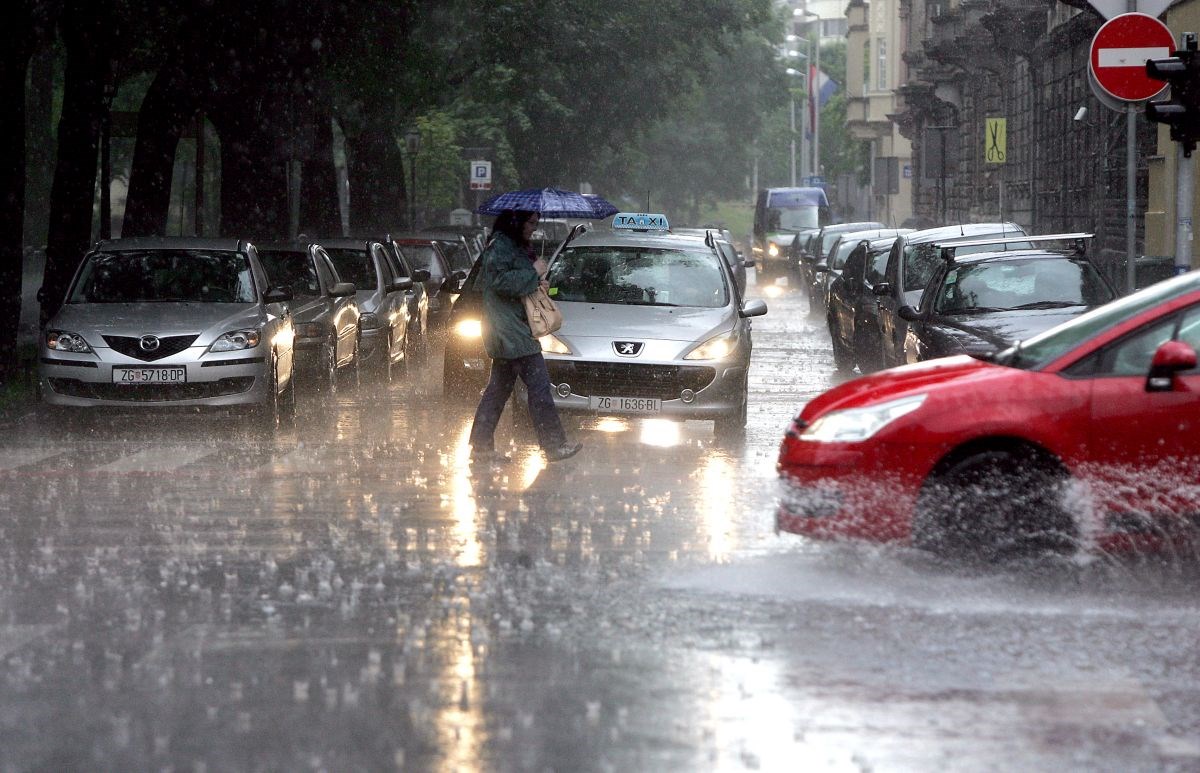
254	198
12	192
375	167
86	29
169	107
39	144
319	207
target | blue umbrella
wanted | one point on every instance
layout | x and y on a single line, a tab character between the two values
549	202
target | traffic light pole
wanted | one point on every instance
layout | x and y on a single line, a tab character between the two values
1130	197
1185	171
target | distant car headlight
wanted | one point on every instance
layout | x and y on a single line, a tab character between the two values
369	321
235	340
310	330
854	424
773	249
62	341
714	348
468	328
550	343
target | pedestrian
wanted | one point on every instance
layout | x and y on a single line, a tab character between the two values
510	271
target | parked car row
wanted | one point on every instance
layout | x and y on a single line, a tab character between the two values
203	322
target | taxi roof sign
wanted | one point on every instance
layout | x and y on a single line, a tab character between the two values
640	221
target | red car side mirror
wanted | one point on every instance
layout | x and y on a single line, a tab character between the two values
1169	359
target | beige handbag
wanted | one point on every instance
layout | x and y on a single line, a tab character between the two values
542	313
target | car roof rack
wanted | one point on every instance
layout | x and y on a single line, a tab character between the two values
1078	240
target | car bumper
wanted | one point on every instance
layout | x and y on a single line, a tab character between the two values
701	391
218	382
372	345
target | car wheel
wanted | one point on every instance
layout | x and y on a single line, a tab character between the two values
991	505
353	371
733	424
269	413
866	351
843	358
287	401
329	375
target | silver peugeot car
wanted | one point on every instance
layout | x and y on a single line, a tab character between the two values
652	326
171	322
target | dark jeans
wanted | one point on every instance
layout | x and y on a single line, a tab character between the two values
531	370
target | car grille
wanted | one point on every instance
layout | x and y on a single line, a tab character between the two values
146	393
131	347
628	380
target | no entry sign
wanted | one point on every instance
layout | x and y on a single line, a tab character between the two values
1119	53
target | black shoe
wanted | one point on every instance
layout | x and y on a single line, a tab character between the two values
565	451
489	457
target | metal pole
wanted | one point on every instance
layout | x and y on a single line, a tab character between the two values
1185	171
1130	195
792	126
814	91
200	163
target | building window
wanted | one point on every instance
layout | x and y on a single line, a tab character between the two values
881	64
834	28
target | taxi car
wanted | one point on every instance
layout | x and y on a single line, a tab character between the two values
1085	437
176	321
653	326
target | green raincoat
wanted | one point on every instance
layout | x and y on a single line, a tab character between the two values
507	274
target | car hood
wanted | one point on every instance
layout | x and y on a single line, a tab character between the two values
895	383
209	320
665	323
998	330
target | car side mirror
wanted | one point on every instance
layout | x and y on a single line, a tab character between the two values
420	275
820	268
754	308
278	295
403	284
342	290
909	314
1169	359
883	288
748	262
42	296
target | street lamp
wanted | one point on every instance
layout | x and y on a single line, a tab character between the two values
792	122
814	89
412	141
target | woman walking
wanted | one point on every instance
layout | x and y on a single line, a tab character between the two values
508	273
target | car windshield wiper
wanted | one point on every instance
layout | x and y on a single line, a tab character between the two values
972	310
1049	305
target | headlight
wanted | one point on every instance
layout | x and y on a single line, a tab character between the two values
773	249
856	424
550	343
714	348
310	330
62	341
235	340
369	321
468	328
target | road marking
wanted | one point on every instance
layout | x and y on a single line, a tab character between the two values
12	458
158	459
1130	57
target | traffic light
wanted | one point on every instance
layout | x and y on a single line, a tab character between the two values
1181	112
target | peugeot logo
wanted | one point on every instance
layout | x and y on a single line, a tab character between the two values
627	348
149	343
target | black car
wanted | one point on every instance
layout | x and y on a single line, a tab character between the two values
911	264
465	364
817	247
830	267
982	303
456	247
853	313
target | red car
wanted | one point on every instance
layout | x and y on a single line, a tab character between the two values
1086	436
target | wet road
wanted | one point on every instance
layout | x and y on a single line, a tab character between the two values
349	595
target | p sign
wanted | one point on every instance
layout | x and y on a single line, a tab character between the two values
481	175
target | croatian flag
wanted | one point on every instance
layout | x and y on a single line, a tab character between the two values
820	88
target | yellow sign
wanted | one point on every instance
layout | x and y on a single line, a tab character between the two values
995	141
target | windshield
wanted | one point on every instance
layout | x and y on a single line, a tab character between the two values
843	253
164	276
291	269
1044	348
423	256
354	265
1043	283
793	219
456	255
640	276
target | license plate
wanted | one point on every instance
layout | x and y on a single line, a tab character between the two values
625	404
149	375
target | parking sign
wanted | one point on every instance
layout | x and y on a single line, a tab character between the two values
481	175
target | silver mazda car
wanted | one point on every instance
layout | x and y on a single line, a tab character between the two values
652	326
171	322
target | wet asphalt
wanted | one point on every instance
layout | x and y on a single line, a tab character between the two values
349	594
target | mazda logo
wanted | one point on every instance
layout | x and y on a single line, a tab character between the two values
149	343
627	348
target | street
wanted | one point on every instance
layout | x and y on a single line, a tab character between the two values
189	594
